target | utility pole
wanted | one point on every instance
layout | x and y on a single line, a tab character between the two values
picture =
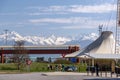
6	35
6	31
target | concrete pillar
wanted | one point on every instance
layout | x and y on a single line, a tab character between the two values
63	55
93	62
76	48
2	58
79	60
70	49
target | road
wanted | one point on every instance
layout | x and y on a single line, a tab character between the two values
51	76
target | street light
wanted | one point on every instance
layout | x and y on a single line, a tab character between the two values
6	32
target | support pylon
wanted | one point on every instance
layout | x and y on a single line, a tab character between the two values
117	41
2	55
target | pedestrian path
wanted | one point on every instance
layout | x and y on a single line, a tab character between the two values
105	75
63	73
102	75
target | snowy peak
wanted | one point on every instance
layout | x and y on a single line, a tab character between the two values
43	40
83	39
92	36
15	36
35	40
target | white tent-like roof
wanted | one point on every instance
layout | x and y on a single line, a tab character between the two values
103	47
103	56
74	54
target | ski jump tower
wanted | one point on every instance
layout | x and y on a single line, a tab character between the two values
117	41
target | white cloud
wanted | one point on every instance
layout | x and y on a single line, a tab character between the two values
75	22
13	24
45	13
72	20
91	24
51	20
101	8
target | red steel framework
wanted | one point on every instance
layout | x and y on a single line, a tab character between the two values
63	51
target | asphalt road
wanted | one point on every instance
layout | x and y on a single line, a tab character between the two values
43	76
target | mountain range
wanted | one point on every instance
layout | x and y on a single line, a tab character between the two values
82	39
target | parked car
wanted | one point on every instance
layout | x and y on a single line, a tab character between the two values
70	68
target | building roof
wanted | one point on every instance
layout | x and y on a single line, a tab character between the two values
103	56
74	54
103	46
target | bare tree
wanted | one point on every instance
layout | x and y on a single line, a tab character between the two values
20	54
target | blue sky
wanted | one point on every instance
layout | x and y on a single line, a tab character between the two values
59	17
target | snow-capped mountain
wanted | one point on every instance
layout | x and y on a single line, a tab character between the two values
83	40
50	40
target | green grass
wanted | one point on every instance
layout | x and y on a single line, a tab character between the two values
36	67
9	66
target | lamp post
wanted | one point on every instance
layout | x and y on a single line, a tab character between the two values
6	32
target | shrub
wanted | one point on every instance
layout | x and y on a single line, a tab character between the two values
62	62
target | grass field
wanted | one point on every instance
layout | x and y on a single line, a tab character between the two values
36	67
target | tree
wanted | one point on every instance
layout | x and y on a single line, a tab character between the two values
20	54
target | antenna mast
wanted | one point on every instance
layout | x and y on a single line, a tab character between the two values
117	41
100	29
